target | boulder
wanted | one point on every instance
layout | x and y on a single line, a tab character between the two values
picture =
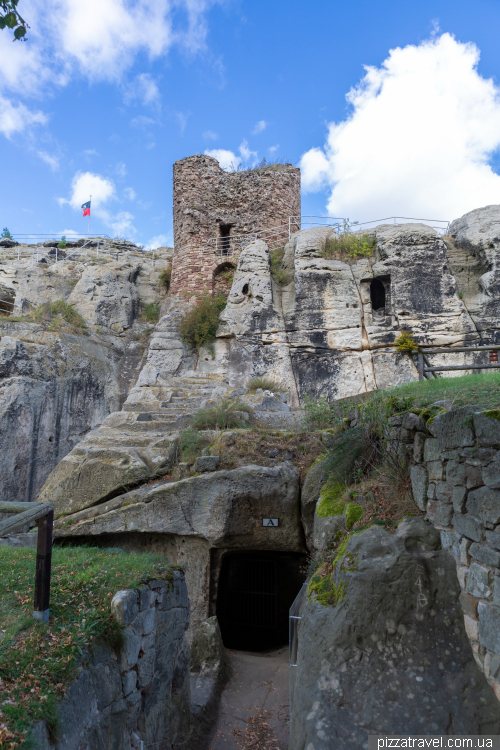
392	656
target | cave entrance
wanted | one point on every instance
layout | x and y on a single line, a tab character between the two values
377	294
225	241
255	592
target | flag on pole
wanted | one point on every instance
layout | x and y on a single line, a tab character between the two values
86	208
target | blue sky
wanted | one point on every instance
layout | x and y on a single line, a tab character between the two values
106	95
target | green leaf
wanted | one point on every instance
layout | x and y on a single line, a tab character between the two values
10	20
19	32
2	22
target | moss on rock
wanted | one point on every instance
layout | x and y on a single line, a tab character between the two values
352	514
492	414
330	503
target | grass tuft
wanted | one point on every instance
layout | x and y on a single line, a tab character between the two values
267	384
151	312
223	415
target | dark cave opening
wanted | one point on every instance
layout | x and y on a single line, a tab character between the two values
377	294
255	592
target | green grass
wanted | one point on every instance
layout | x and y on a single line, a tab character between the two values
481	390
56	316
220	416
165	278
348	247
191	443
277	271
151	312
37	661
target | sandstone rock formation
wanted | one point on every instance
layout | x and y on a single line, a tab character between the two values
392	657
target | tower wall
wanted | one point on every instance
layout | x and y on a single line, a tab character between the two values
209	202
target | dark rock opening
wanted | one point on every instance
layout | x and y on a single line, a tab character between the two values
255	592
225	242
377	294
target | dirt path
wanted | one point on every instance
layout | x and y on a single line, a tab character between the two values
253	710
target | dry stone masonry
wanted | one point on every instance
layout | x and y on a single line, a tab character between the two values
456	480
140	698
209	203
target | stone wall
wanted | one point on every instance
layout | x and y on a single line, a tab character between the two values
139	699
456	480
209	202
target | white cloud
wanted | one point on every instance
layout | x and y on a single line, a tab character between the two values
160	240
122	226
259	127
130	193
210	135
86	184
273	149
121	169
52	161
226	159
245	152
14	118
141	121
142	88
417	143
102	190
103	49
182	118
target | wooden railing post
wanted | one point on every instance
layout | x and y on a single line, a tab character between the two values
43	566
420	365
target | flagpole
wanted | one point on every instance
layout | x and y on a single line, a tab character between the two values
88	229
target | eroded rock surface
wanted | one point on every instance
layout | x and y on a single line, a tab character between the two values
392	657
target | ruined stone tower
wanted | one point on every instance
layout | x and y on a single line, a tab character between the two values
210	203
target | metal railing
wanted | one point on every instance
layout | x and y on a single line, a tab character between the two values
428	371
440	225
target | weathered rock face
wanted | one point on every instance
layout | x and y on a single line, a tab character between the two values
220	509
330	329
54	388
474	257
141	698
392	657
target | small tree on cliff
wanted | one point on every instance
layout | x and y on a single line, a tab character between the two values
6	235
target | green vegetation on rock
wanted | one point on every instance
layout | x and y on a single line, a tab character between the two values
165	277
57	316
38	661
278	273
348	247
329	503
151	312
199	324
405	342
353	513
223	415
492	414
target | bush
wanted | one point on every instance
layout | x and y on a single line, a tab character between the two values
267	384
62	243
151	312
199	324
223	415
165	277
405	342
348	246
6	235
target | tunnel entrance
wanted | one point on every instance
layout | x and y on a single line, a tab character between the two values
255	592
